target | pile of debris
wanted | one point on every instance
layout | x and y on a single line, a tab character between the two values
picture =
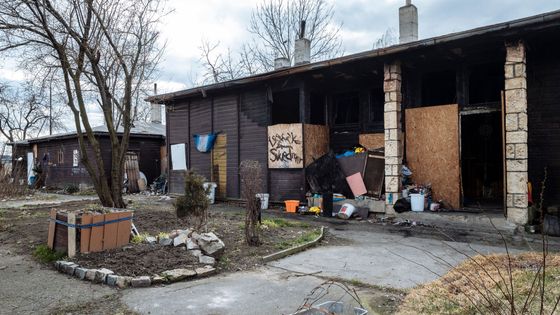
207	247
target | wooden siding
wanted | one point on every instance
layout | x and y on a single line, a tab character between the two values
543	76
225	121
200	122
178	121
285	184
253	120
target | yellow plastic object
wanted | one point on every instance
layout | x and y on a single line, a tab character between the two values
359	150
315	210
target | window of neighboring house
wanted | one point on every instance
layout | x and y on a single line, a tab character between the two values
60	157
346	109
75	158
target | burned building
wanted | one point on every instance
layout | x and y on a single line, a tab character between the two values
474	113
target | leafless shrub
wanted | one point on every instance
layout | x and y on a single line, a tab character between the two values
251	184
13	182
491	284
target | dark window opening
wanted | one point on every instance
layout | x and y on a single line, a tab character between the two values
485	84
439	88
375	111
285	107
346	109
317	109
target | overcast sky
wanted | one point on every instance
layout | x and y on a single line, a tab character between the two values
363	22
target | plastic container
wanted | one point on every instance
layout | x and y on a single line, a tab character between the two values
211	188
291	205
346	211
417	202
264	200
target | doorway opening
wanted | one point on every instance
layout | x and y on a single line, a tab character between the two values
482	161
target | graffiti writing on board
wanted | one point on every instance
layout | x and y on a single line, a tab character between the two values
285	148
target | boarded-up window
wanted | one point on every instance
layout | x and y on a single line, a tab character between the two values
178	157
75	158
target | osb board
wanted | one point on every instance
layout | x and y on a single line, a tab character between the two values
219	164
285	146
316	142
372	140
432	150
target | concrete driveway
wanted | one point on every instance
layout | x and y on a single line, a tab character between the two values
372	258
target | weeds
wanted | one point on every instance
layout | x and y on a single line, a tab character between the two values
141	238
279	223
46	255
300	240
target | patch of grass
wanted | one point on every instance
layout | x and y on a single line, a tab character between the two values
137	239
304	238
456	291
278	223
46	255
163	235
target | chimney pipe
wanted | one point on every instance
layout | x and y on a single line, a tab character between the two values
408	23
155	110
281	63
302	47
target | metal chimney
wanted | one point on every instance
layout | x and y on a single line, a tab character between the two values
408	23
302	47
155	111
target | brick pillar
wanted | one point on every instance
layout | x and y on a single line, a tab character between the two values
516	133
393	133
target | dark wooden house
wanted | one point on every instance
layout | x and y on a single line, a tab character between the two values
474	113
59	155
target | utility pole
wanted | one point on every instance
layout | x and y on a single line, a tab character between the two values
50	108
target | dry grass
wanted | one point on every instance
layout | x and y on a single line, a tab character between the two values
478	286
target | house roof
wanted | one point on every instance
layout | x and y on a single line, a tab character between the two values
536	22
140	129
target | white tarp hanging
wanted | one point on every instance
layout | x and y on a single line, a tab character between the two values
178	157
30	162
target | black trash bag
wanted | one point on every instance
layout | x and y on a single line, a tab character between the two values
402	205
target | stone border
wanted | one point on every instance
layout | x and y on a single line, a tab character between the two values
106	276
295	249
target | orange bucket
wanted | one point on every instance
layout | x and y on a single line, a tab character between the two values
291	205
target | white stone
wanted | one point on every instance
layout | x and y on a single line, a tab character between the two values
517	182
516	83
191	244
519	216
520	70
101	275
139	282
391	120
515	52
90	274
178	274
205	271
210	244
392	148
516	137
510	151
509	71
516	101
516	165
195	252
180	240
511	122
521	151
392	183
207	260
151	240
520	201
123	282
522	121
390	107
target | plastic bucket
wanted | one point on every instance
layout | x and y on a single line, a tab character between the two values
417	202
291	205
346	211
264	200
211	194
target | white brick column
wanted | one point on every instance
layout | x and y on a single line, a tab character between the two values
393	133
516	133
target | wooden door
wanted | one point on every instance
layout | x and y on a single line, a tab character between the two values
132	171
219	165
432	150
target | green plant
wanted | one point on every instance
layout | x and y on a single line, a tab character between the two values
46	255
137	239
194	202
300	240
71	189
278	223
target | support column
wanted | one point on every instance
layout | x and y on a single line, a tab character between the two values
516	154
393	134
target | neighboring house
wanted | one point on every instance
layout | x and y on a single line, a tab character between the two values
474	113
59	154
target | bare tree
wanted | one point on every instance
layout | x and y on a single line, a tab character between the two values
103	51
387	39
276	25
26	112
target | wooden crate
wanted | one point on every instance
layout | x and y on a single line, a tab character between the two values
73	231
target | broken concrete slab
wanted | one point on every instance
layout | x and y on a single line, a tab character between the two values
175	275
80	273
195	252
207	260
101	274
151	240
180	240
191	244
205	271
211	244
165	241
140	282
